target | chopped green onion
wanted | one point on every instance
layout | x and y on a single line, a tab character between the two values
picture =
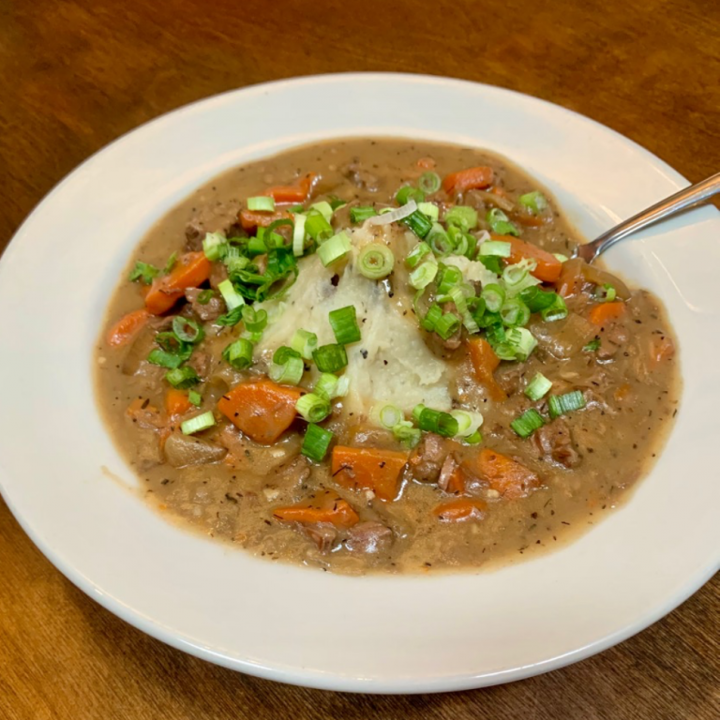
143	272
525	425
474	439
205	296
182	378
316	442
361	214
535	202
317	227
239	354
335	248
494	296
447	325
417	254
515	312
387	416
304	342
233	299
313	408
296	208
449	277
331	386
187	330
497	248
592	346
468	422
440	241
336	203
430	209
407	193
419	223
170	264
463	216
198	423
429	182
376	261
538	387
500	224
231	318
169	359
195	398
288	373
257	245
492	262
457	295
606	293
514	275
283	354
344	324
406	433
323	207
423	275
522	341
433	315
330	358
562	404
264	203
255	320
436	421
537	299
215	246
299	234
557	311
235	261
562	258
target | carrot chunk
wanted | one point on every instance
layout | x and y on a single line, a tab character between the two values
460	509
548	267
477	177
251	219
325	507
368	468
605	313
297	193
263	410
485	362
511	479
125	329
177	402
191	270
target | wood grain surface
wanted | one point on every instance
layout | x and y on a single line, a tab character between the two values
76	75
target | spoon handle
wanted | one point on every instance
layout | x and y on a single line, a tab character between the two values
672	205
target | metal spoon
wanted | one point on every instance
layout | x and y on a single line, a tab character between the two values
687	198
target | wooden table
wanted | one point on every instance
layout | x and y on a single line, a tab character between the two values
74	76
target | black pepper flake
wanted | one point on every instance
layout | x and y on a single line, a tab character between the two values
364	353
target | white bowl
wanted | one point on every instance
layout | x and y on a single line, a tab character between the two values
372	634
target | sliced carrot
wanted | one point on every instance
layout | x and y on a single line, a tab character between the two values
661	348
456	482
426	163
623	393
368	468
325	507
485	362
507	476
250	219
548	267
263	410
297	193
605	313
477	177
529	220
191	270
460	509
127	327
177	402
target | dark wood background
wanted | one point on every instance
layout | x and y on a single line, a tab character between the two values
76	75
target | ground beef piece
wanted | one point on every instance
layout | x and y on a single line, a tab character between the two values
211	310
369	537
428	458
201	363
556	444
360	177
612	341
